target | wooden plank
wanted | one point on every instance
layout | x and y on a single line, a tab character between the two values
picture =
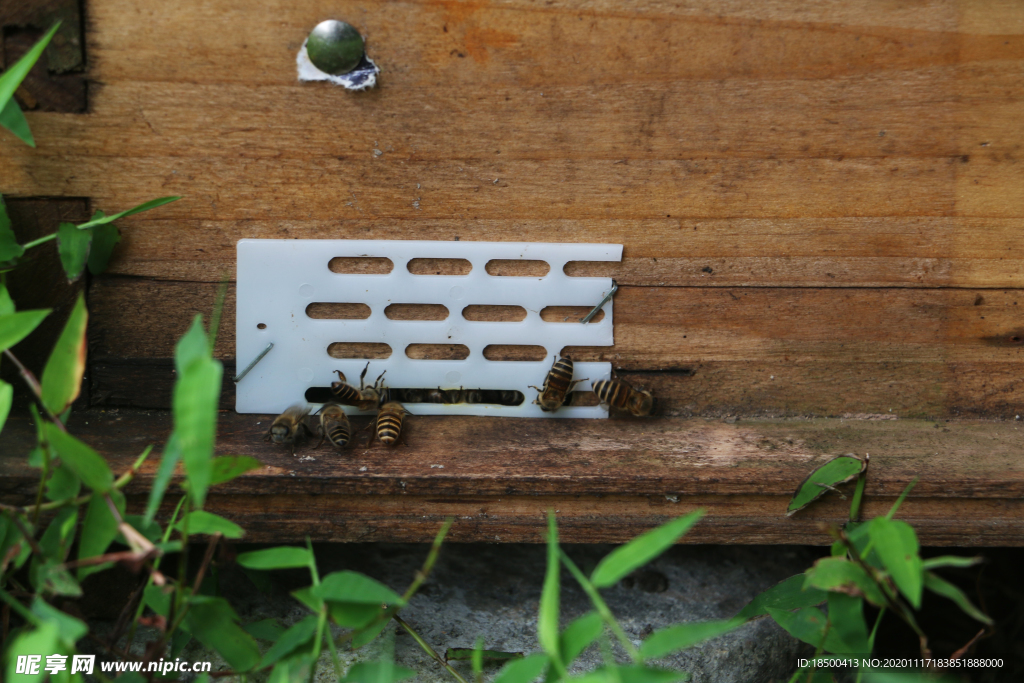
870	251
629	474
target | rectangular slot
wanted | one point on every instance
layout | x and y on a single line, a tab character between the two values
517	268
515	352
331	311
437	351
569	314
494	313
416	312
440	266
593	269
359	350
360	265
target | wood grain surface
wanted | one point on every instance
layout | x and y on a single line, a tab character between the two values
607	479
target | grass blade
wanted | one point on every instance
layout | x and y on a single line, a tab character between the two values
642	550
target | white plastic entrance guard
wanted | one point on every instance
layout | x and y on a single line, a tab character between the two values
279	279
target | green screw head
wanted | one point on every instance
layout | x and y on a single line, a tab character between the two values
334	47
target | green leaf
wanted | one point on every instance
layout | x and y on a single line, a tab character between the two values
98	531
377	672
168	462
839	574
352	614
578	635
348	586
684	636
202	522
44	640
59	535
936	584
104	239
56	580
806	624
281	557
227	468
267	629
294	669
71	629
642	550
6	303
10	534
196	396
6	398
785	595
213	623
63	484
896	545
158	599
151	530
73	249
12	78
833	473
90	467
547	618
10	250
17	326
846	614
301	633
13	120
524	670
146	206
62	376
951	561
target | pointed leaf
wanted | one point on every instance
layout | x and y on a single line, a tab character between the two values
99	529
684	636
54	579
213	623
833	473
17	326
202	522
9	251
578	636
6	303
158	598
63	484
936	584
228	467
348	586
6	398
282	557
897	547
806	624
846	615
73	248
839	574
547	619
104	238
13	120
168	463
62	376
524	670
377	672
71	629
196	397
90	467
355	615
642	550
951	561
43	640
300	634
266	629
12	78
145	206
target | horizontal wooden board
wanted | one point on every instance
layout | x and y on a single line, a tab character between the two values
629	474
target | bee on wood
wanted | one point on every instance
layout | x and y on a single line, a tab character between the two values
388	426
557	384
363	398
334	426
621	396
285	428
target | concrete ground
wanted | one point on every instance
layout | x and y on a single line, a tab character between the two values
493	591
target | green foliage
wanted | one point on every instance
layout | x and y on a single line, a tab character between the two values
73	247
896	545
841	575
196	394
202	522
87	464
642	550
579	635
9	82
62	376
98	531
936	584
684	636
6	398
524	670
833	473
789	594
227	468
547	619
214	624
16	326
282	557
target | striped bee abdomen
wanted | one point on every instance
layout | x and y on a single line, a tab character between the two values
389	423
334	426
560	376
613	392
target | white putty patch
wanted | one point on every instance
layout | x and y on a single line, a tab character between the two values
363	77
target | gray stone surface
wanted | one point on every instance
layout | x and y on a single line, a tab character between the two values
493	591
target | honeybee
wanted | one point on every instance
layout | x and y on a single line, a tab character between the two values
557	384
285	428
435	396
621	396
363	398
334	426
388	426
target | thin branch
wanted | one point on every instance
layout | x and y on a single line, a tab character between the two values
207	558
24	532
35	243
36	388
429	650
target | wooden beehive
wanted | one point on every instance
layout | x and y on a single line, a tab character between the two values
821	207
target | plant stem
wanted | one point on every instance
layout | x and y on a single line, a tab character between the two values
429	650
428	565
37	242
602	608
24	532
858	493
36	388
20	609
42	483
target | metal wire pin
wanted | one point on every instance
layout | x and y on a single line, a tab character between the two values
250	366
597	308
